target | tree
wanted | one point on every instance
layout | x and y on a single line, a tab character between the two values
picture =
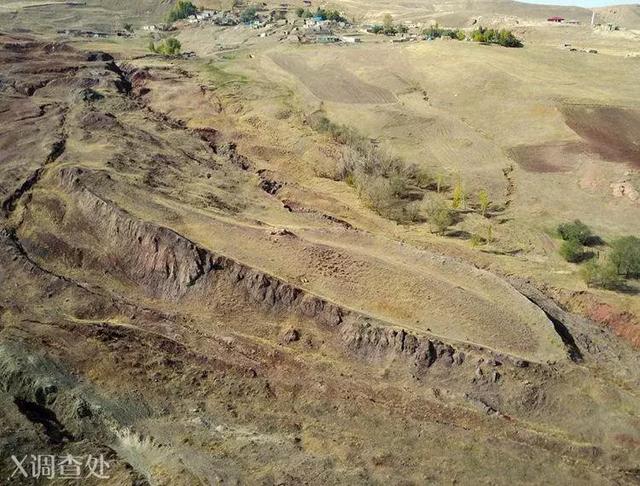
625	256
491	36
128	27
299	11
181	10
439	182
168	47
458	195
571	251
439	216
577	231
603	275
387	22
483	199
249	14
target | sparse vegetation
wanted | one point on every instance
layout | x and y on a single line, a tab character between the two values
387	184
502	37
181	10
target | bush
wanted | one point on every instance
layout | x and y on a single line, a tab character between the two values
576	231
168	47
249	14
181	10
492	36
484	200
603	275
435	32
571	251
625	256
299	11
439	216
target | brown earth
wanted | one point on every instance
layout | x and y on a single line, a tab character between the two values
612	132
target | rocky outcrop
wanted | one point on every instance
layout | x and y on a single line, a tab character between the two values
372	340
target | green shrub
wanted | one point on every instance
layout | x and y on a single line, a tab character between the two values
439	216
576	231
435	32
181	10
168	47
299	11
484	201
602	275
249	14
571	251
459	196
625	256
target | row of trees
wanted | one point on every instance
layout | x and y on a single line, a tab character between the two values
502	37
435	32
181	10
321	13
388	27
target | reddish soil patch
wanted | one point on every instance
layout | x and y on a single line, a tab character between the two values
624	324
613	133
549	157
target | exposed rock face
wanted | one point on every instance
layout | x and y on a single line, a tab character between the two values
377	341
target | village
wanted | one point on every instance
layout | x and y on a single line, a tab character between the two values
309	24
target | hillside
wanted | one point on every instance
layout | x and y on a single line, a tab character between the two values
275	260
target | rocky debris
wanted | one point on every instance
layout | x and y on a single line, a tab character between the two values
268	184
283	232
625	188
9	203
99	56
97	120
376	341
89	95
290	335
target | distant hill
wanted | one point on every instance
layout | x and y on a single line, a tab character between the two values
627	16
